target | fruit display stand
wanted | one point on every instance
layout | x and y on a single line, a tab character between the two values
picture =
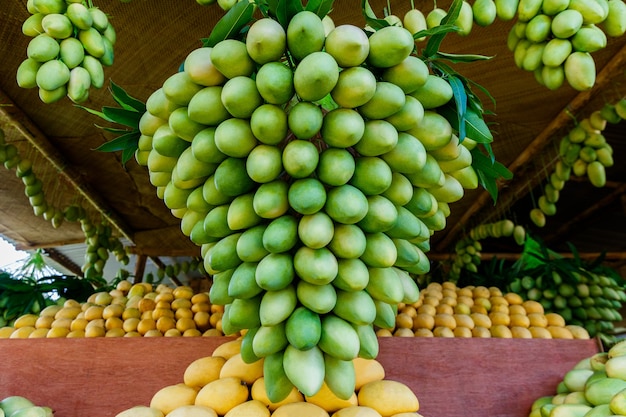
451	377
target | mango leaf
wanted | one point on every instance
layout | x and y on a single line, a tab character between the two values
127	139
122	116
319	7
127	102
112	129
285	10
457	58
231	23
472	122
460	98
489	171
95	113
127	154
434	42
437	30
370	17
327	103
120	143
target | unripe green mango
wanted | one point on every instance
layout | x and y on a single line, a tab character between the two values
50	6
580	71
92	42
79	15
71	52
465	19
589	38
566	23
52	75
592	11
506	9
32	25
596	174
42	48
100	19
615	23
552	7
78	85
27	73
556	52
96	72
484	12
539	28
51	96
528	9
603	389
57	25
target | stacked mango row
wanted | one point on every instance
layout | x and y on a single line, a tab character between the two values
445	310
130	310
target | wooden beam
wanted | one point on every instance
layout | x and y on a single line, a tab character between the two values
140	267
31	132
63	260
612	69
608	256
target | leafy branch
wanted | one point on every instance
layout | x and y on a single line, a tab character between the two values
128	115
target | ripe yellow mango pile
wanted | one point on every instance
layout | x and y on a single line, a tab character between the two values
128	310
223	384
445	310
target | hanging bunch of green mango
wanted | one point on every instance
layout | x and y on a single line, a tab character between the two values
98	238
555	39
311	163
72	41
583	152
467	250
100	242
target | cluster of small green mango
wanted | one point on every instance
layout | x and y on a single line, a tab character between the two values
71	43
584	151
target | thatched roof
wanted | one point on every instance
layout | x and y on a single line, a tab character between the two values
153	39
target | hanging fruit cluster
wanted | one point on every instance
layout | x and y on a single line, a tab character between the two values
555	39
311	163
71	43
467	250
588	299
584	151
100	241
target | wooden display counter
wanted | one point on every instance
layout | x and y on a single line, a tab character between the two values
451	377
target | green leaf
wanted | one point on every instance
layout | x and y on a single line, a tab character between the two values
120	143
127	155
460	98
95	113
437	30
319	7
489	171
327	103
113	129
474	124
434	42
124	117
231	23
370	17
457	58
125	100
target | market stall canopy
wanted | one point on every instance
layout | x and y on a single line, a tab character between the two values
153	38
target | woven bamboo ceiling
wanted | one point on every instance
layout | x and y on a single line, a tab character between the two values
154	37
